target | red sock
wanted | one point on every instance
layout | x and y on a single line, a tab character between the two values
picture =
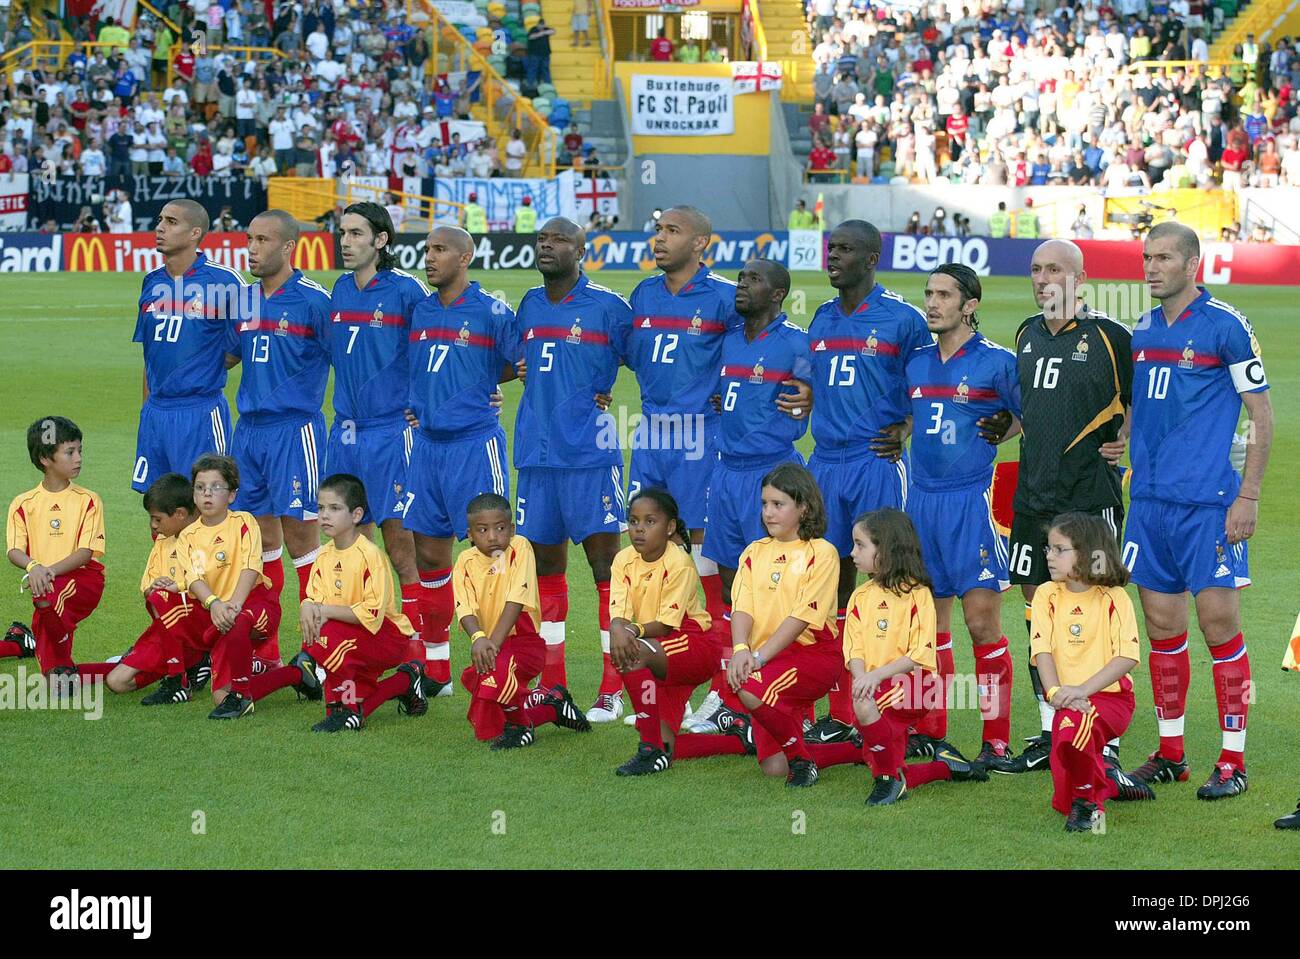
302	566
784	728
9	650
413	609
95	669
834	754
1171	674
386	689
268	682
238	649
918	774
935	722
50	629
644	693
993	670
841	695
1232	692
697	746
713	595
537	715
142	680
273	569
875	747
438	605
554	594
610	680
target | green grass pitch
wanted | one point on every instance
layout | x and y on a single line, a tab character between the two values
166	788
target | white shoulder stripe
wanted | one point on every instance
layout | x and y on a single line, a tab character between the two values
312	284
996	346
235	273
415	278
721	279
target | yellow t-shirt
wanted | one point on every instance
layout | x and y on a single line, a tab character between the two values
880	626
666	591
776	580
358	577
1083	631
164	560
218	554
50	527
482	586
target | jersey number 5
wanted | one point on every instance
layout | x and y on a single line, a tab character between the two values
548	358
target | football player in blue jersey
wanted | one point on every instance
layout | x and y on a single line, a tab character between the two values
860	341
463	342
952	384
185	321
1196	361
284	348
370	322
569	457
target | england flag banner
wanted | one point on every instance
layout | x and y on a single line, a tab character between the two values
591	194
682	106
749	76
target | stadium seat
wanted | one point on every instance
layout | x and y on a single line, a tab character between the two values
530	21
497	10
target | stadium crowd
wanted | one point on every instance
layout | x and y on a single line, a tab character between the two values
350	93
1019	93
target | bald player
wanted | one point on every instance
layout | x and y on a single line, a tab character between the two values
574	336
1076	378
185	323
284	346
462	343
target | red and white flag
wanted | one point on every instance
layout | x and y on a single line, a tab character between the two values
755	76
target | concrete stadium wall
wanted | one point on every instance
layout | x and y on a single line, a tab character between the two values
733	190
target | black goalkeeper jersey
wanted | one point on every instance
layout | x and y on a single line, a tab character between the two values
1074	388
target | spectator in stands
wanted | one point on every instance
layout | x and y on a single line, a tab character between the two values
820	159
580	17
118	212
689	52
92	161
173	166
537	65
801	218
516	150
661	48
1081	228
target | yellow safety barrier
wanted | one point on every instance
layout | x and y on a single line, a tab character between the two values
308	198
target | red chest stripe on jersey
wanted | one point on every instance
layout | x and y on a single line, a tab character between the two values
745	372
594	337
1174	356
437	333
948	392
272	326
360	316
164	306
679	323
850	344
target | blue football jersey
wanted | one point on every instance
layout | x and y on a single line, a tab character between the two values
368	340
948	399
858	382
752	373
187	326
284	346
457	354
675	347
1188	378
573	349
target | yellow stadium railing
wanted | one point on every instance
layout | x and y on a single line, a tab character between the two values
1258	18
47	54
307	199
161	16
605	78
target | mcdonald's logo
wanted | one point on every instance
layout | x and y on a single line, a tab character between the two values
314	251
86	253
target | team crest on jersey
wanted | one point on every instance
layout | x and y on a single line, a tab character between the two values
757	375
221	556
282	328
984	555
1075	629
338	584
462	338
696	324
882	624
1081	350
1189	357
397	489
870	348
377	318
776	578
575	331
55	524
962	396
195	306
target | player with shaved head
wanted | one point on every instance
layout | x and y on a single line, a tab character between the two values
462	342
1076	377
370	324
680	317
1196	363
860	341
284	347
185	322
574	336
